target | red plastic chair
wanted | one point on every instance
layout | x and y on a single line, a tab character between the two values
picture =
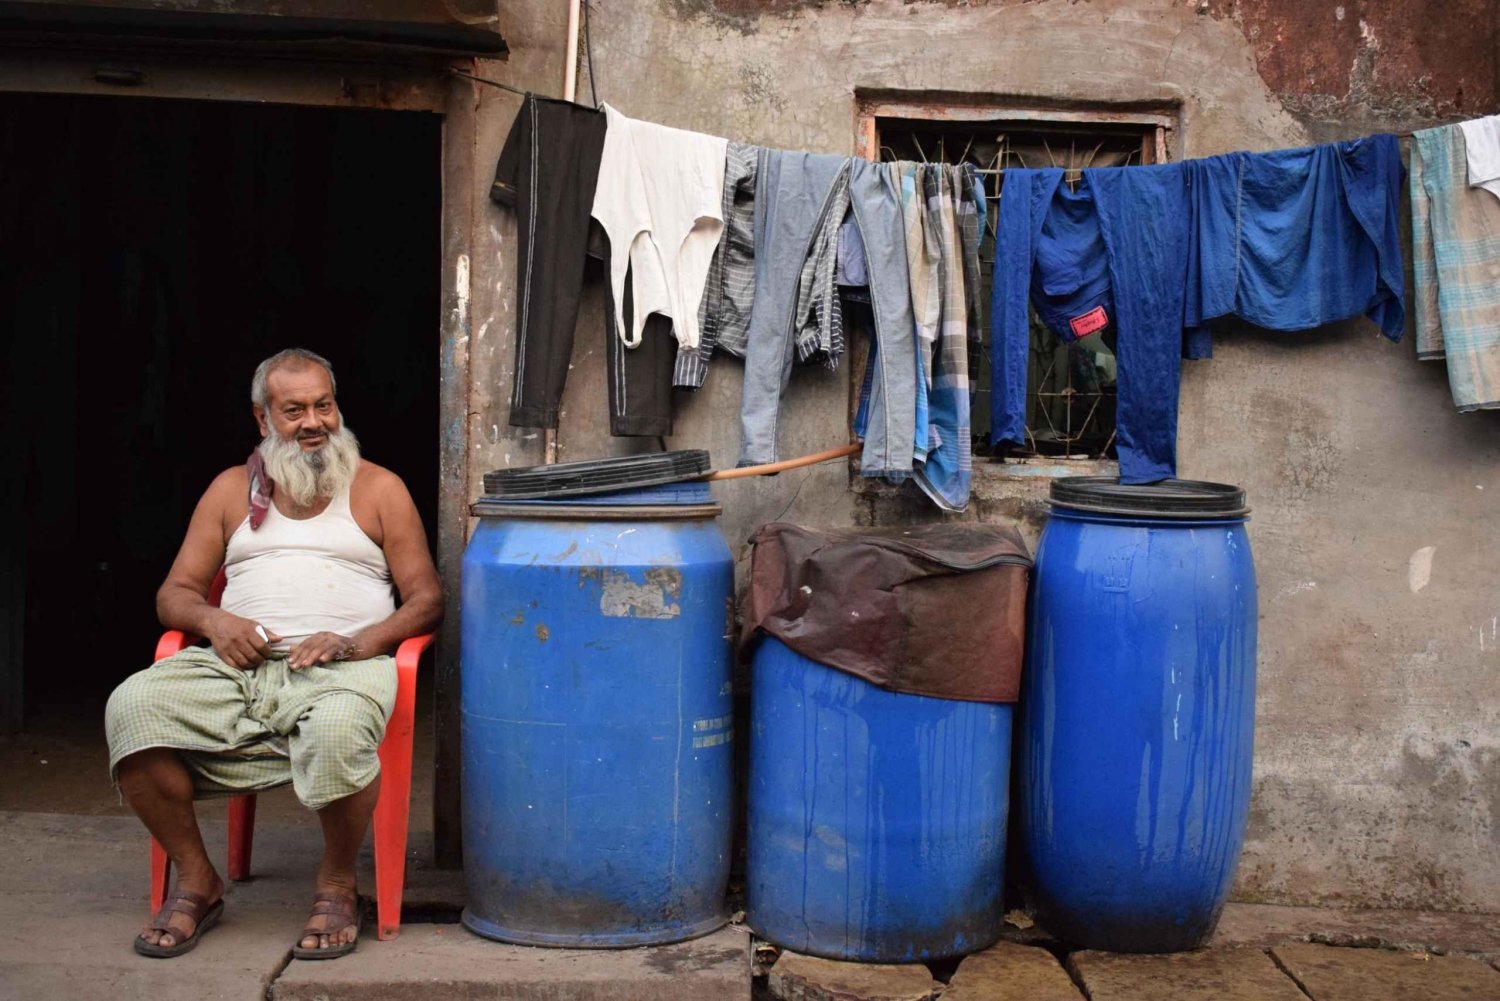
392	809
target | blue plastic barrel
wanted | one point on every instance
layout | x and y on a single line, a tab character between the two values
1138	712
597	719
876	820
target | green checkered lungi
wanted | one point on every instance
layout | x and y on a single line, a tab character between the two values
247	731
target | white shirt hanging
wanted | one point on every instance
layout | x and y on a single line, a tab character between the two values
659	199
1482	142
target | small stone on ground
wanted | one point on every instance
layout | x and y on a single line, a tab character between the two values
1213	975
1010	972
1330	973
796	977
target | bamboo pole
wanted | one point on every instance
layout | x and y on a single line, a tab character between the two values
570	87
570	73
777	467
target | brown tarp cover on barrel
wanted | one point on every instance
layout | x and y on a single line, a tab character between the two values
935	610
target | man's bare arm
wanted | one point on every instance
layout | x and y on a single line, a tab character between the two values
416	580
182	600
415	577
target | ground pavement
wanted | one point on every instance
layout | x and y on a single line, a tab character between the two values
73	890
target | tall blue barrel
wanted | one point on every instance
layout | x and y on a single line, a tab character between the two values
597	719
876	820
1138	712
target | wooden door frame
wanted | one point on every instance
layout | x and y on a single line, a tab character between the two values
425	86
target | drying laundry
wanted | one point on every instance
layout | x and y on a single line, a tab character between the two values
716	245
1147	252
946	471
1297	238
547	172
724	317
1070	286
640	378
923	261
872	252
820	322
659	199
921	268
973	216
794	200
1456	265
853	269
1025	205
1482	153
1134	220
920	366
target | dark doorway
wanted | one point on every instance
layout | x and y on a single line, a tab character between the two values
154	251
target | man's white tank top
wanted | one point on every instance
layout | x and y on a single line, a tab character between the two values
299	577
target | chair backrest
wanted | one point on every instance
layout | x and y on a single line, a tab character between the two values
216	589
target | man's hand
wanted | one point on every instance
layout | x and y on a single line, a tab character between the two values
239	641
320	648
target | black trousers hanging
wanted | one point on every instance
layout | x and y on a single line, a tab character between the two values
547	173
640	378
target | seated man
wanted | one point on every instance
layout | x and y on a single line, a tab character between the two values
298	682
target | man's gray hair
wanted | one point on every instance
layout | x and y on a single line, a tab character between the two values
260	395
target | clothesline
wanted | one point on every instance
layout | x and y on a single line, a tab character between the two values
983	171
493	83
522	93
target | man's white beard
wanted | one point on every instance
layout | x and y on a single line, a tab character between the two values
303	477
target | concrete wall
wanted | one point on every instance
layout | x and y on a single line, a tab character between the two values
1377	774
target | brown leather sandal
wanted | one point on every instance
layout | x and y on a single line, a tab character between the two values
197	910
339	905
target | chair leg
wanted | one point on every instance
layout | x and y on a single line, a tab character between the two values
241	835
392	813
161	876
393	808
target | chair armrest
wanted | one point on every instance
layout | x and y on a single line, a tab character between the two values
409	653
173	641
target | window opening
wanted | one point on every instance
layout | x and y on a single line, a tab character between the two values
1070	405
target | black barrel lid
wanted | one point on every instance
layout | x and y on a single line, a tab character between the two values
1182	499
595	476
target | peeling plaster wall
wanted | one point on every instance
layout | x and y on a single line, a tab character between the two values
1334	63
1377	777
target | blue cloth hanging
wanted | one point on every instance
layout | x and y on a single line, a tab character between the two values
1296	238
1287	240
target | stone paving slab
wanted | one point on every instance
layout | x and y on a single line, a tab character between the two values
41	981
87	876
797	977
1010	972
1330	973
73	893
1241	974
430	962
1266	925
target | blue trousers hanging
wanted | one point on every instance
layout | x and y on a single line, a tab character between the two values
1052	238
1024	204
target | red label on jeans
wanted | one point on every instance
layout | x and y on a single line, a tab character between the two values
1088	323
